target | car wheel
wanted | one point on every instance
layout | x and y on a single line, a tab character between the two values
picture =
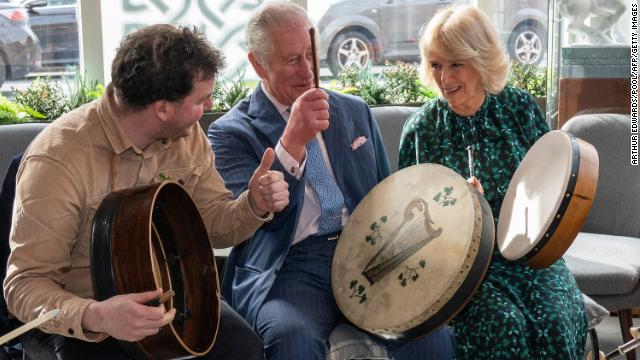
350	48
528	44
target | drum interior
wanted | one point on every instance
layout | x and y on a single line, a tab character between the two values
534	195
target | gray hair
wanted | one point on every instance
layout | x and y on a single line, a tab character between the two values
271	14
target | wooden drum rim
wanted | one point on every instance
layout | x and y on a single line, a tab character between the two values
581	190
121	263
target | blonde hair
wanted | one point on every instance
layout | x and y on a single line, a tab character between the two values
465	33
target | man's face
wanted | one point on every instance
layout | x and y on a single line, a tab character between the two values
288	70
190	109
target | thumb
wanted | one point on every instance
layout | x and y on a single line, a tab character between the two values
267	160
145	297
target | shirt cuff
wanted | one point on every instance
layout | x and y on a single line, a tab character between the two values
69	321
291	165
267	217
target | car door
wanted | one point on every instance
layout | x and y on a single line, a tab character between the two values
56	26
401	21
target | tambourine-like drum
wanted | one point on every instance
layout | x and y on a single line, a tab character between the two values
413	252
153	236
548	199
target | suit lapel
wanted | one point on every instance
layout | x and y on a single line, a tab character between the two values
263	113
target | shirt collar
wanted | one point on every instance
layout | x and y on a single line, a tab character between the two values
280	107
116	136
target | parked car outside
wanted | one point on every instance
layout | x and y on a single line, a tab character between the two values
55	24
356	32
19	46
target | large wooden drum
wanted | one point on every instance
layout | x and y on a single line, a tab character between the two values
548	199
413	252
153	236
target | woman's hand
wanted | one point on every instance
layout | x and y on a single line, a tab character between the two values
476	184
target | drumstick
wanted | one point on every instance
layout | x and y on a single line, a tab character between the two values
624	348
163	298
314	58
471	165
28	326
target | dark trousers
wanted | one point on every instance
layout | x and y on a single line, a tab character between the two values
300	312
235	340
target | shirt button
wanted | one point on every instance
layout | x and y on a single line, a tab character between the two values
294	170
71	332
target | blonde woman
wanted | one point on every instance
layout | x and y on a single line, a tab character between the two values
518	312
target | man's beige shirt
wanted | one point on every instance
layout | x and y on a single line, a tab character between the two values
64	175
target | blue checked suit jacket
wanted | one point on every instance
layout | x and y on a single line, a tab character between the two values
239	139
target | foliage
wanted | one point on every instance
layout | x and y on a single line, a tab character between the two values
15	113
364	83
227	93
403	83
45	101
82	91
528	77
397	84
45	97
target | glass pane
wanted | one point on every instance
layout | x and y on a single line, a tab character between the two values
41	41
383	32
223	21
591	52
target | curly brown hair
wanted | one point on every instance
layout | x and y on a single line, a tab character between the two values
162	62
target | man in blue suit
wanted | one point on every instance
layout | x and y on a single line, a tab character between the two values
329	148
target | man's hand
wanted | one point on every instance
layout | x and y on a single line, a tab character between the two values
309	115
126	317
268	192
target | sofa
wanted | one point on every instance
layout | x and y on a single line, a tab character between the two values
346	342
605	256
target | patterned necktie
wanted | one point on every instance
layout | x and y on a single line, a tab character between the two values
329	194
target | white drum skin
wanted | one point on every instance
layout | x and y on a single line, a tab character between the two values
547	200
433	216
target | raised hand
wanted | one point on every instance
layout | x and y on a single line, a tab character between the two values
127	317
309	115
268	191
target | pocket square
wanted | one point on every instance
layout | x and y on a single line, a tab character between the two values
358	142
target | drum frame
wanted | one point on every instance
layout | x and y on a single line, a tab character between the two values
576	202
159	220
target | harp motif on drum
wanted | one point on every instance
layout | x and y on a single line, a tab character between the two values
415	232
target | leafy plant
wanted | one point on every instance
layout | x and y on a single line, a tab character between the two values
403	83
15	113
364	83
227	93
528	77
45	97
397	84
82	90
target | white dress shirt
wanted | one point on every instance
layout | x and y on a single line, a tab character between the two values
310	215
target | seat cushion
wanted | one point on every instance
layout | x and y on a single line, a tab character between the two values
605	264
349	343
596	313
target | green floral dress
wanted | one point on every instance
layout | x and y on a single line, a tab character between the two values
518	312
